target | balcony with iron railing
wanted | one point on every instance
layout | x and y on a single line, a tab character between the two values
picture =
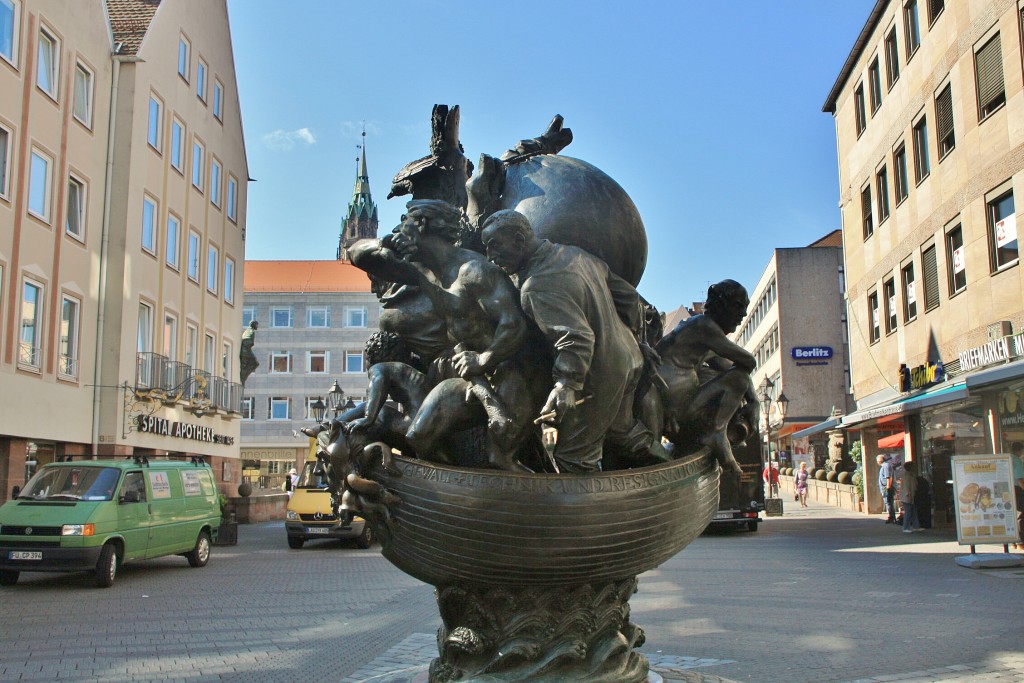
172	381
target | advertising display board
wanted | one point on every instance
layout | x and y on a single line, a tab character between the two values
986	511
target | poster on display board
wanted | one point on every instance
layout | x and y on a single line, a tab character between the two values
986	511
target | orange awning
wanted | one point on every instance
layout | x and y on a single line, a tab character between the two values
892	441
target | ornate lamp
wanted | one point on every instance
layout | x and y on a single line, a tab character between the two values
318	409
783	404
350	405
334	397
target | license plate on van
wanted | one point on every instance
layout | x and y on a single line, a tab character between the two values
24	555
317	530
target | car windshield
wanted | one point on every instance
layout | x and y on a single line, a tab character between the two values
72	483
309	479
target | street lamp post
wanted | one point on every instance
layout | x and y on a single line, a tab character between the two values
334	397
767	397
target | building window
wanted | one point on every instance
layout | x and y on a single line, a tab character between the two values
225	360
29	351
889	291
145	336
930	270
178	145
232	198
170	336
69	316
892	58
882	190
201	80
912	28
48	68
355	317
148	225
1002	230
39	185
922	167
248	315
957	260
212	261
278	408
83	95
988	67
184	56
281	316
74	223
208	359
899	165
875	85
9	21
247	408
5	157
218	100
317	362
173	231
909	292
944	121
191	344
193	256
353	361
858	103
865	211
935	8
197	166
318	316
215	182
229	280
874	329
153	128
280	362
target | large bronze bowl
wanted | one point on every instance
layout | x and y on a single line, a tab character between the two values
483	526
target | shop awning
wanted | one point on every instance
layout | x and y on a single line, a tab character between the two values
926	399
1003	373
820	427
892	441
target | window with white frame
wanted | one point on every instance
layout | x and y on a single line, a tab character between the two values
193	255
5	157
355	316
281	316
40	183
69	318
173	233
232	198
83	94
248	315
310	402
247	408
156	112
212	261
145	336
191	345
29	350
229	280
317	362
170	347
197	165
215	182
48	66
218	100
318	316
74	223
149	225
184	57
201	79
9	22
225	361
280	362
209	359
353	361
1002	230
277	408
178	145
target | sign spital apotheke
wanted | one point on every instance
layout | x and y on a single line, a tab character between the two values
182	430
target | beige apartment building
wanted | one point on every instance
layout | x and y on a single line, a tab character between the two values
122	220
929	116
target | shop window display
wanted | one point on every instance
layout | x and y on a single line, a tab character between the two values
946	432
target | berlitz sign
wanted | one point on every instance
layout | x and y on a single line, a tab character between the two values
811	355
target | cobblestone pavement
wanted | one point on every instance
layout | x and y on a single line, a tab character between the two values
816	595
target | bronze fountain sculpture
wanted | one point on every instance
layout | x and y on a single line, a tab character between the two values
509	302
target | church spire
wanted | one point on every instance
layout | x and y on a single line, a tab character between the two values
361	219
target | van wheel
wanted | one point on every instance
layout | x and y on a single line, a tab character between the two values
200	555
752	525
106	567
294	542
365	539
8	577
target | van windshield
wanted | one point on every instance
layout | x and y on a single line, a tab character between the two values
72	483
309	479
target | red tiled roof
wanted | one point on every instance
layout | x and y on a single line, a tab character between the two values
833	239
129	21
304	276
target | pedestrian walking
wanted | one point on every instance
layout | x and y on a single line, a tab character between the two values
771	479
887	487
908	490
801	477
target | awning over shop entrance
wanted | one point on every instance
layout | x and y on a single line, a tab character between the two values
932	397
820	427
892	441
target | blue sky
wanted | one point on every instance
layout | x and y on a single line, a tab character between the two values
707	113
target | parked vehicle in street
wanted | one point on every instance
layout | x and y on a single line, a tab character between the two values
311	514
741	496
94	515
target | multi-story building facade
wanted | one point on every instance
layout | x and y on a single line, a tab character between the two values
314	319
928	110
796	331
122	220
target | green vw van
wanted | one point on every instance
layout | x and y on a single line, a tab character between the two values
94	515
